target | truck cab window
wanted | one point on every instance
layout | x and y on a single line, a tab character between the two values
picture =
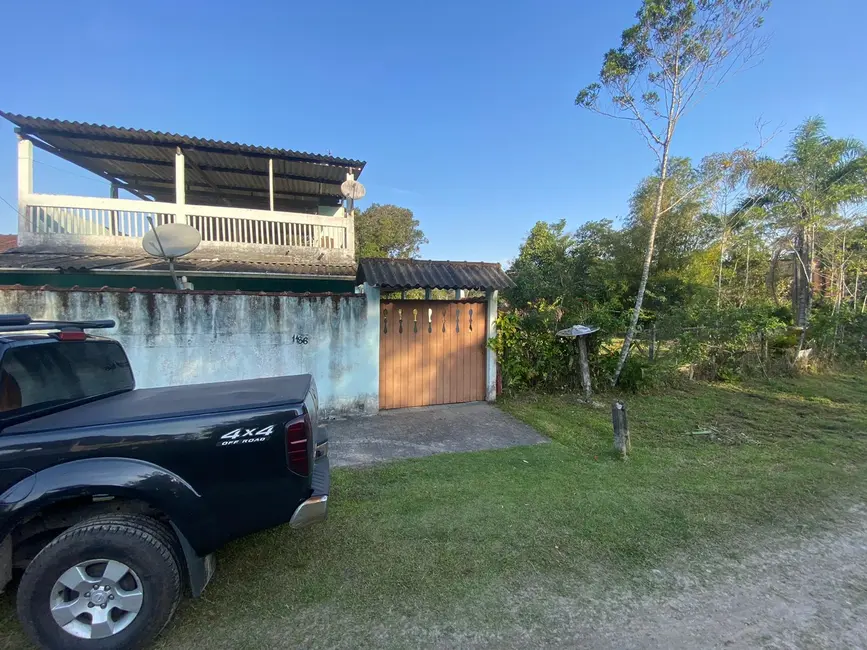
37	376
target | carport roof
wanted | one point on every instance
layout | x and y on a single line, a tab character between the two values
143	162
431	274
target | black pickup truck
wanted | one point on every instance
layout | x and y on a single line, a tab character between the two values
113	500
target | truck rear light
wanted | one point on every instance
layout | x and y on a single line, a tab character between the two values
298	445
66	335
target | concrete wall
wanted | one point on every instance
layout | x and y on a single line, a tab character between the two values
176	338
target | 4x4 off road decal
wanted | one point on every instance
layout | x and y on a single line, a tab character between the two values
244	436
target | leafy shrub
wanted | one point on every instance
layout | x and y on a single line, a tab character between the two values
639	374
839	337
722	345
728	345
531	356
530	353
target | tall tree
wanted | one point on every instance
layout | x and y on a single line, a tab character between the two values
675	52
729	202
804	193
677	237
596	264
543	266
387	231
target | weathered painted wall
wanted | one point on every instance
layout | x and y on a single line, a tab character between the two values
176	338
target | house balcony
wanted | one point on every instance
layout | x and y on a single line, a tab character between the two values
77	223
246	201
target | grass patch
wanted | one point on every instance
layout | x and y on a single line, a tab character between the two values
429	535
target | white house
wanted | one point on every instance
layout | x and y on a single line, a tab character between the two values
270	219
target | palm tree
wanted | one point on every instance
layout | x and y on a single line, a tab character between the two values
730	205
804	193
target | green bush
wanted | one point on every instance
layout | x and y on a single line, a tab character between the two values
639	374
700	342
526	348
532	356
728	344
839	337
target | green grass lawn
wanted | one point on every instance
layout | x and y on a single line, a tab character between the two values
431	536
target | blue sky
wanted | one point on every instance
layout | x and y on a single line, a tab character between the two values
463	110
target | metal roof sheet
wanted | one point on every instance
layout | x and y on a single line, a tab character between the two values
210	292
218	172
97	262
431	274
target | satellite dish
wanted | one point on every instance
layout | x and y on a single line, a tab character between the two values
352	189
171	240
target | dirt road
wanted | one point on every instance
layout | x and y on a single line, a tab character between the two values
789	593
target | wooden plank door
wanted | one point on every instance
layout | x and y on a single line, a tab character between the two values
431	352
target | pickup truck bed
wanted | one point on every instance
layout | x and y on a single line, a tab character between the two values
175	402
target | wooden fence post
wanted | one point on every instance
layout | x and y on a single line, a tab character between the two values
585	366
622	444
652	349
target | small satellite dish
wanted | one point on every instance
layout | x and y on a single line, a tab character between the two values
171	240
352	189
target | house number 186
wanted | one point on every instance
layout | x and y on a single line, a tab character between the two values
300	339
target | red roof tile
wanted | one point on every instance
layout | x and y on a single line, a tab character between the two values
7	242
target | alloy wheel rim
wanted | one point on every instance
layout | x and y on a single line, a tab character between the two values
96	599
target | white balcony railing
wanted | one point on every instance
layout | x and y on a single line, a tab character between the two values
85	217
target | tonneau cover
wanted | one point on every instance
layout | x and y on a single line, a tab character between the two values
176	401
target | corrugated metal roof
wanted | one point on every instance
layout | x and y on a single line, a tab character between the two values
210	292
217	172
431	274
97	263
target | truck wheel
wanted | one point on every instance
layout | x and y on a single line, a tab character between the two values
107	583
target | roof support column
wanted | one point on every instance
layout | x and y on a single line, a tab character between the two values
180	187
112	193
490	356
349	214
349	233
459	294
271	182
25	182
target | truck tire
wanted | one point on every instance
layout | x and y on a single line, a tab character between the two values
107	583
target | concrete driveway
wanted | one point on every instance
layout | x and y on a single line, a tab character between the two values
410	433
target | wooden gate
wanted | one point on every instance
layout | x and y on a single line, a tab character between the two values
431	352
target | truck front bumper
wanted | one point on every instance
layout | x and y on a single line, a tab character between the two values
315	508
